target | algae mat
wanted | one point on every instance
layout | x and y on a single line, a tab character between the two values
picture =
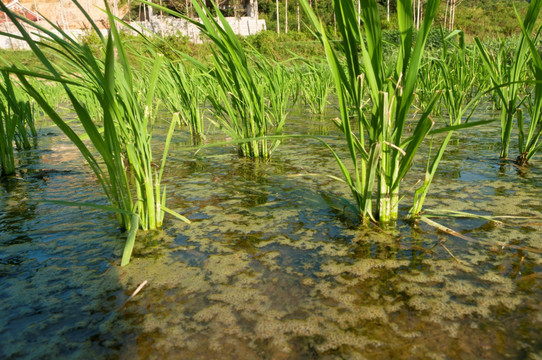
273	266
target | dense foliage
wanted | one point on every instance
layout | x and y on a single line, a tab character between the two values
477	18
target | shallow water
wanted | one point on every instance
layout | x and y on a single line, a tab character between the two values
272	266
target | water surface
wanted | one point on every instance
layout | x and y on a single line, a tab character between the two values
273	265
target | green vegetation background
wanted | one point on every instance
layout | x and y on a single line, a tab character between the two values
489	20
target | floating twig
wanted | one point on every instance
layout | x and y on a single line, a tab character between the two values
133	294
469	239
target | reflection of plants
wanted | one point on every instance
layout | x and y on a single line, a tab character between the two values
380	150
123	142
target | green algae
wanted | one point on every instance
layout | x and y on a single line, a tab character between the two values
269	270
278	280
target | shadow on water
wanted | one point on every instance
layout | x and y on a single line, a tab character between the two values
58	285
272	266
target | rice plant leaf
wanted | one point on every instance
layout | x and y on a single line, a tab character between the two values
106	208
130	240
405	21
176	214
414	61
461	126
422	129
121	52
463	214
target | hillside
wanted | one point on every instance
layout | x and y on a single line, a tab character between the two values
482	18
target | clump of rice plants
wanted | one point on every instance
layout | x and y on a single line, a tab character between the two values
123	140
16	123
380	152
279	90
7	134
238	96
53	92
529	141
316	85
508	78
182	91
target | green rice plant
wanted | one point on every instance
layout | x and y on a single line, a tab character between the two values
182	91
21	112
508	80
279	90
316	85
529	142
7	158
457	96
53	92
123	141
88	97
429	82
16	123
380	150
502	55
7	134
239	100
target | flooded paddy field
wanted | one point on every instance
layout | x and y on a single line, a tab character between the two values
273	265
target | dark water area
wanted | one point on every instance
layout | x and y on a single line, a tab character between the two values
272	266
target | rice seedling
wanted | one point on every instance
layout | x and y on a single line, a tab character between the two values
239	99
279	90
16	123
380	151
529	142
508	80
182	91
316	85
124	141
458	98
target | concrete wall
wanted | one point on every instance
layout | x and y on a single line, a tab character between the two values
168	26
9	43
244	26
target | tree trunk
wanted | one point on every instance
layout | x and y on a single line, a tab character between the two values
388	10
419	14
298	18
286	16
452	17
278	23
